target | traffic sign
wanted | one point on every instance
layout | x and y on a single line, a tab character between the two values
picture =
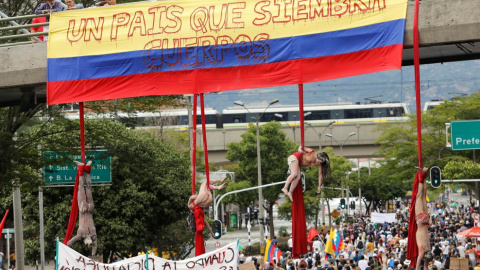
335	213
217	244
465	134
60	169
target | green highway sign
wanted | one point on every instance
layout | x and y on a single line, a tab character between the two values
59	171
465	135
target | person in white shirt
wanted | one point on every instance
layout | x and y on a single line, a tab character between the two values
317	244
461	251
290	243
363	263
445	251
437	263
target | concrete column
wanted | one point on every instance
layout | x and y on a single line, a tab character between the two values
17	216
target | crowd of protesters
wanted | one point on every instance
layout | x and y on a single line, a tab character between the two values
372	246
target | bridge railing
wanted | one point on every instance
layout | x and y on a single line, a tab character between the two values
22	30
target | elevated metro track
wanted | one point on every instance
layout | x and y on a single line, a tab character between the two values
449	31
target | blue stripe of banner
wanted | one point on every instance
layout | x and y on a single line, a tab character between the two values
240	54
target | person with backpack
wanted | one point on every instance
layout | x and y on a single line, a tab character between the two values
360	246
310	260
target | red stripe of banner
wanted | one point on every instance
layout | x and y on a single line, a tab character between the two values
222	79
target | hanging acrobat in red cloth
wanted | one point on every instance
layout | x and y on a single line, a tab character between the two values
418	241
204	198
304	157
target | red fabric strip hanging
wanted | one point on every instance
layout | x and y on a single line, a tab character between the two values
204	133
194	141
299	227
300	104
412	250
3	220
72	221
416	63
82	131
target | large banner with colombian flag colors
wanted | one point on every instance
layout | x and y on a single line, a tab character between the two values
190	46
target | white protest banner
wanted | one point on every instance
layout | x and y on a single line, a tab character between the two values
383	217
223	259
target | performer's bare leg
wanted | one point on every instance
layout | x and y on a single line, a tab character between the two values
292	179
320	180
213	182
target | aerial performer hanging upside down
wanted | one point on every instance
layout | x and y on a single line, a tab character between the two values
86	228
422	218
196	203
302	158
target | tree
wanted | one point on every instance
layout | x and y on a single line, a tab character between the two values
150	188
398	143
274	150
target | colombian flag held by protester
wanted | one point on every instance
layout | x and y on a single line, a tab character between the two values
329	247
271	252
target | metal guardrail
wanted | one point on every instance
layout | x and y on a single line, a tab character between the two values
24	29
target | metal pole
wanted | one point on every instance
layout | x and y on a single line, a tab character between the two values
42	236
249	226
8	249
294	137
17	219
348	197
11	22
246	189
260	194
359	189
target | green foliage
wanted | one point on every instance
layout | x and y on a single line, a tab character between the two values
283	231
274	150
144	206
252	250
398	145
243	199
461	170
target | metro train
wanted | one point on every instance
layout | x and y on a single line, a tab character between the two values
239	117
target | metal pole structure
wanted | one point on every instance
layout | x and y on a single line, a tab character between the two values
246	189
359	189
249	226
260	193
259	166
42	236
8	248
17	219
23	30
348	197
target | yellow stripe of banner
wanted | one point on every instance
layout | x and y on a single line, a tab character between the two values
123	28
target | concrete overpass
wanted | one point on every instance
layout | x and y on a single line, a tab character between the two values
449	31
360	145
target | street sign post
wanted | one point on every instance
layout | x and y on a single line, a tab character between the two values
58	172
465	135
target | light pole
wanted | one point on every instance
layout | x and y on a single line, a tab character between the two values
341	144
294	124
322	201
341	148
321	133
259	165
